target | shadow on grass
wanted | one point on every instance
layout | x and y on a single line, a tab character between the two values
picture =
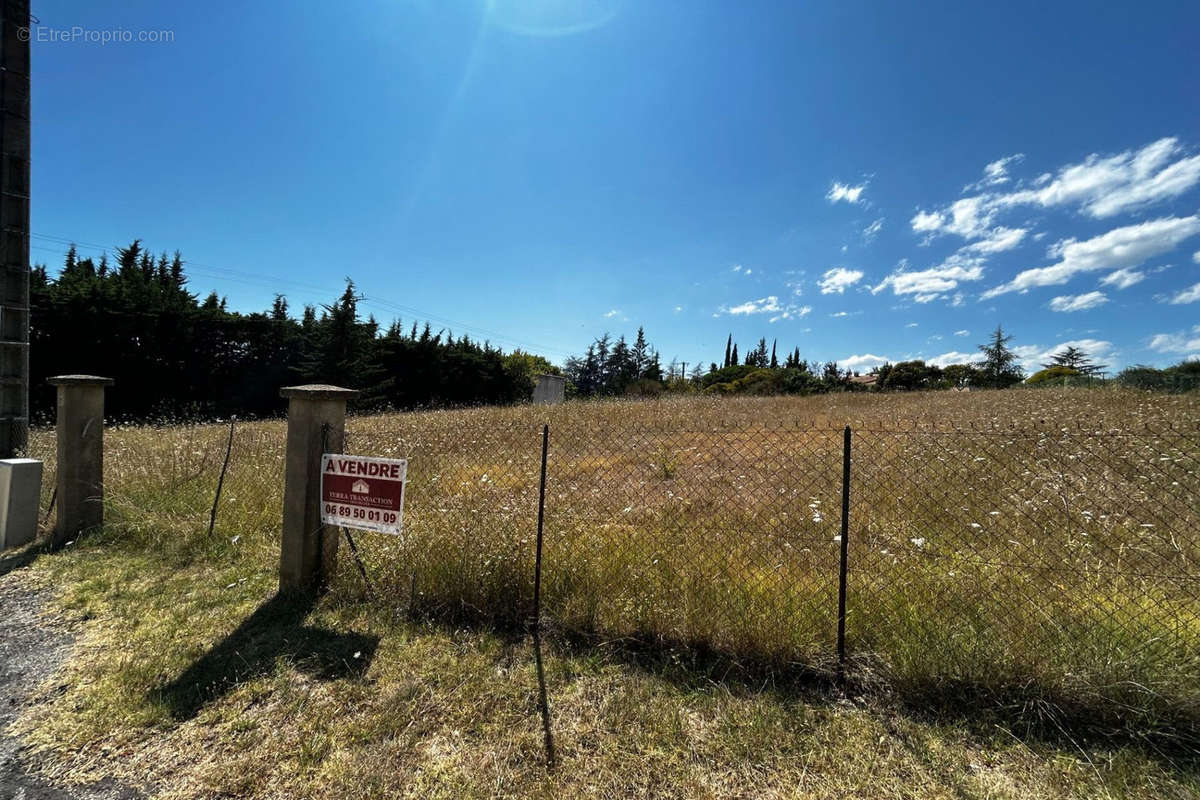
16	561
275	630
1032	713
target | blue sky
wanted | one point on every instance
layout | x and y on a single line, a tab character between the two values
861	180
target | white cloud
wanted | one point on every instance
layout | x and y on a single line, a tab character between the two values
840	314
927	221
929	284
997	240
766	305
678	309
1123	278
1078	302
1188	295
614	313
836	280
864	361
1113	184
763	305
1100	186
1181	342
1196	256
953	357
845	193
970	218
996	173
792	312
912	325
737	268
962	333
1119	248
872	230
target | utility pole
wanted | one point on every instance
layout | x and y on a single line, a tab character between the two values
14	226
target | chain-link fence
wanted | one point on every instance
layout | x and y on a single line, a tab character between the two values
1060	555
1069	558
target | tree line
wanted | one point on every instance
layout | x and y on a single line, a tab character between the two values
611	367
175	355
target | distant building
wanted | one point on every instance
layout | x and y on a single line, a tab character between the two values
550	390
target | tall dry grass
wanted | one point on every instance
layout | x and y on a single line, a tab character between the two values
1046	539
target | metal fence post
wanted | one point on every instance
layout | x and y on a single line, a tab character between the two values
537	564
543	699
80	471
212	516
841	623
316	424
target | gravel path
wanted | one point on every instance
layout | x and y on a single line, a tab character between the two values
30	651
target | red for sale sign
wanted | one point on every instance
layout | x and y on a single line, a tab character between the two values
361	492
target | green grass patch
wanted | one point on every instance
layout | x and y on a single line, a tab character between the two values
191	679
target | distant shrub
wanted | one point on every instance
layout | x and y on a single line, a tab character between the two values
727	375
644	388
799	381
758	382
1183	377
1055	374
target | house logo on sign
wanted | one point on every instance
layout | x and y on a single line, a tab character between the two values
360	487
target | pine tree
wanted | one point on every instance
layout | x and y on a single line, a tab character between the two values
127	260
1076	359
999	369
177	276
162	275
733	359
654	370
774	360
758	356
728	345
641	354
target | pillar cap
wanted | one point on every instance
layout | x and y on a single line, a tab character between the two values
79	380
319	391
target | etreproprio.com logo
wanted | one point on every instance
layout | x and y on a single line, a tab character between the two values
77	34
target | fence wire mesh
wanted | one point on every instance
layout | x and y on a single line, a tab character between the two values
469	518
1063	557
724	538
1071	557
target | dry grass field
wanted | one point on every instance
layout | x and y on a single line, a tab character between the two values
1023	605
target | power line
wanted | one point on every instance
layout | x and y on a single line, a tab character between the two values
271	281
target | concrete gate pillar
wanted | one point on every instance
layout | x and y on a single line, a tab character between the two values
80	471
316	425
